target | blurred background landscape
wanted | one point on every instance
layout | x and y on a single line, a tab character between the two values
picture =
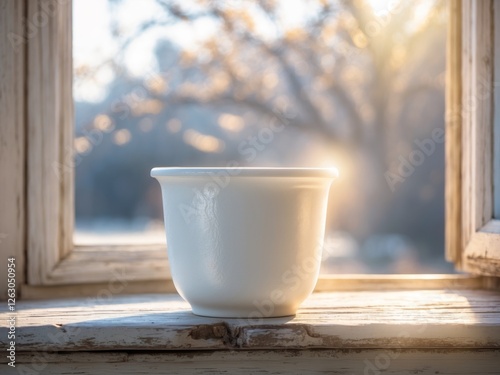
359	85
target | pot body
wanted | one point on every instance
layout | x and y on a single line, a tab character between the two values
244	242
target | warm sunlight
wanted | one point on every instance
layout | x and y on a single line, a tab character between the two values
380	6
249	186
311	83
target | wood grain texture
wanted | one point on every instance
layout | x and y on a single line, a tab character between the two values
66	137
96	264
341	320
120	287
12	140
467	102
49	118
477	97
480	239
482	255
299	362
496	113
326	283
482	140
146	263
453	150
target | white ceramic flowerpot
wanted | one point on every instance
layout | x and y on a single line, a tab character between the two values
244	242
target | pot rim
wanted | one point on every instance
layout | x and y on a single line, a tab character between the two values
330	173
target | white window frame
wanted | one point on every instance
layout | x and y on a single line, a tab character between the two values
473	234
37	207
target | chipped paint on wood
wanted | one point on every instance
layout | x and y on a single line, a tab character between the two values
299	362
12	142
358	320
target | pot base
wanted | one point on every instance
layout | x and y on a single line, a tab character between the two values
251	314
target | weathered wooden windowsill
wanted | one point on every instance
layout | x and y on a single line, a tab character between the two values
341	320
360	332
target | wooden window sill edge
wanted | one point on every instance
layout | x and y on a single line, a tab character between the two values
148	264
121	284
424	319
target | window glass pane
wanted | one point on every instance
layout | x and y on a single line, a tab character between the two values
359	86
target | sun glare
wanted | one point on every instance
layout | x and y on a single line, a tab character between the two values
381	6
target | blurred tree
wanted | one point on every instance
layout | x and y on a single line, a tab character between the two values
342	69
349	74
366	83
